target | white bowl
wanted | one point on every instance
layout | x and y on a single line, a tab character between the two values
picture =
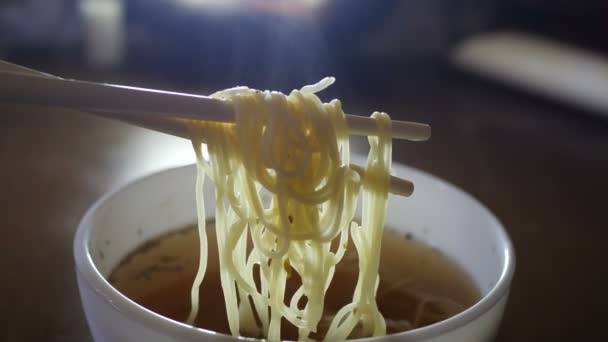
438	213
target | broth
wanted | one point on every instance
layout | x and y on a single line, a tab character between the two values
418	286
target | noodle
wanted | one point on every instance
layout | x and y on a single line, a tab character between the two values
293	149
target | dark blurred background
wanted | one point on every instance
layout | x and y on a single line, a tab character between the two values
272	43
198	45
516	92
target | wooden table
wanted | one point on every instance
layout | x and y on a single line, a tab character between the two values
541	168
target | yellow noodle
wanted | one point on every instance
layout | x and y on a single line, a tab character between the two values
295	149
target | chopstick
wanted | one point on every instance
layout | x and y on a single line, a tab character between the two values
118	100
170	125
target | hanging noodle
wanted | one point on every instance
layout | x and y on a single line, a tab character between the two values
295	149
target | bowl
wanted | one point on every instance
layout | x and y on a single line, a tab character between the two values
439	214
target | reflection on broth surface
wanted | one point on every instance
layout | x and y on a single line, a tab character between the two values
418	284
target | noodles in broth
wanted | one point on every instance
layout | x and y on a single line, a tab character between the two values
293	149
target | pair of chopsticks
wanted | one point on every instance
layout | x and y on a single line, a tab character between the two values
157	109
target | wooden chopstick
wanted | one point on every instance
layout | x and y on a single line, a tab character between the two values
118	100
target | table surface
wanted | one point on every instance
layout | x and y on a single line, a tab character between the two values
541	168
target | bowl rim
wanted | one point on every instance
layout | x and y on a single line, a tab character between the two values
86	269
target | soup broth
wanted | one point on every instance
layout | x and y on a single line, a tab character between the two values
418	286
